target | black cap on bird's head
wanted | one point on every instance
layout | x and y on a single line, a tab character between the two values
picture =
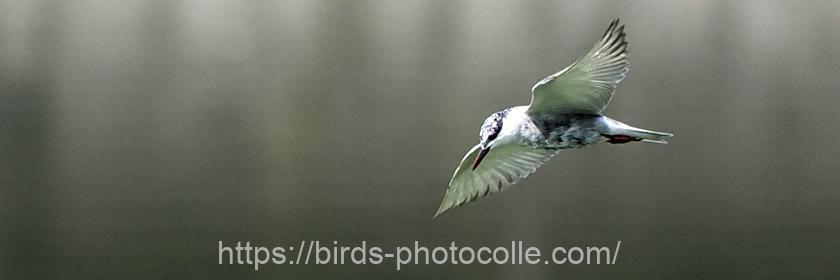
489	131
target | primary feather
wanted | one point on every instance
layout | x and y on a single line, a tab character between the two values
586	86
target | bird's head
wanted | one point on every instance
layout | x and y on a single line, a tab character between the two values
489	131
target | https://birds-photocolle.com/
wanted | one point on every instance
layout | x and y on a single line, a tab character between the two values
565	112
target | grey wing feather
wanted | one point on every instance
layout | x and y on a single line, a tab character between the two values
586	86
503	166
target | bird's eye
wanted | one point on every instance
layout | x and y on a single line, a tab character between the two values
490	129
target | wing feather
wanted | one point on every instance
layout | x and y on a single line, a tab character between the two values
586	86
505	165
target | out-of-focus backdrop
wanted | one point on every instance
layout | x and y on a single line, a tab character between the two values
135	135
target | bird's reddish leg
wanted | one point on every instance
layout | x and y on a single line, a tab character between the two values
620	139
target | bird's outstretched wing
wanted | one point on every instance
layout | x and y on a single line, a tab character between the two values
504	165
586	86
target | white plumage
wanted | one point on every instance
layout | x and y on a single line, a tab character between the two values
565	112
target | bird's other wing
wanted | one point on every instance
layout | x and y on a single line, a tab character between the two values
503	166
586	86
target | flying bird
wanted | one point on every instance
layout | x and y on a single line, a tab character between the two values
565	112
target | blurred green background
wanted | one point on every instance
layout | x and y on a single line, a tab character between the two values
137	134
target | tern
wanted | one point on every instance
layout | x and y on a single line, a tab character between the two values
565	112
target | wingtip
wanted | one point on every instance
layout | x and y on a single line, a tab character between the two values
449	202
615	23
615	33
610	28
441	210
445	204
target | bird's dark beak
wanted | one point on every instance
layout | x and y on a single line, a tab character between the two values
480	156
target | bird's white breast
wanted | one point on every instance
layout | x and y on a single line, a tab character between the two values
517	125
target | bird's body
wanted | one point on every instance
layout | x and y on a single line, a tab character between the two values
565	112
552	132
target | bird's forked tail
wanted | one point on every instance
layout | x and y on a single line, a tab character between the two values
623	133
